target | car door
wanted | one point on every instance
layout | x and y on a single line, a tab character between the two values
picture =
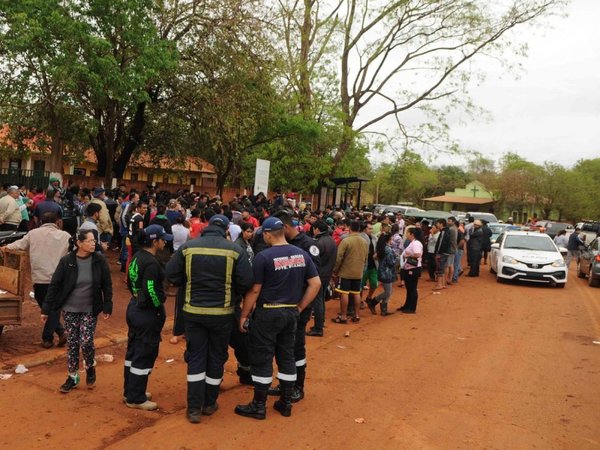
587	255
495	251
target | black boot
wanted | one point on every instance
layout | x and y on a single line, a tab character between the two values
384	310
298	391
372	303
256	408
284	404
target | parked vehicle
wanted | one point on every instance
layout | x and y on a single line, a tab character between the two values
499	228
589	229
403	209
553	228
488	217
531	256
589	263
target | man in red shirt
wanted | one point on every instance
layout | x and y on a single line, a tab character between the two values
246	217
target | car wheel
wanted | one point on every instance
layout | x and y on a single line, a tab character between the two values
593	282
499	280
492	268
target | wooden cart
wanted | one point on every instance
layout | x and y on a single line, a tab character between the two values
14	265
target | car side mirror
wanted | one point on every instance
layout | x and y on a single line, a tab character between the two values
562	250
495	245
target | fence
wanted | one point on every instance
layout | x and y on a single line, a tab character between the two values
29	178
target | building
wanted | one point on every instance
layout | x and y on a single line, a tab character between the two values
30	168
473	197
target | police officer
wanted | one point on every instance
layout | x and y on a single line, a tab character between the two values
286	283
145	317
308	244
214	271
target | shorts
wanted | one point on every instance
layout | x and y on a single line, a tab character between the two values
347	286
441	262
370	275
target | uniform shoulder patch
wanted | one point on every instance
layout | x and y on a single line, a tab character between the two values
314	250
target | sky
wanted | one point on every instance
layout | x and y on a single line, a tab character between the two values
550	109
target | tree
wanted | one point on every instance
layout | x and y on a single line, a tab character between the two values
410	54
33	99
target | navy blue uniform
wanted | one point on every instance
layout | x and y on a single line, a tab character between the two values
282	272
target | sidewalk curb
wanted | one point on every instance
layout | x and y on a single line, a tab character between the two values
51	355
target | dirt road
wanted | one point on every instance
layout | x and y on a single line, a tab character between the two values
482	365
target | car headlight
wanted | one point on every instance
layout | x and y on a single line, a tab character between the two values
509	260
559	263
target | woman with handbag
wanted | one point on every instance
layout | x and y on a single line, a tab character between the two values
411	268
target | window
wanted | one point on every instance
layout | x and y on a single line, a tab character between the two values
193	181
150	177
14	167
134	177
166	179
79	171
39	165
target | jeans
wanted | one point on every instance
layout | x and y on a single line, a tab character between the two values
319	307
52	324
572	254
386	294
123	255
457	264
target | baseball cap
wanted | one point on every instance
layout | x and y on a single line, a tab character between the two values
272	224
12	188
329	221
219	220
154	232
99	191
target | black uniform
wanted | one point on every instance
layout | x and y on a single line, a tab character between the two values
214	272
307	244
145	318
282	271
475	247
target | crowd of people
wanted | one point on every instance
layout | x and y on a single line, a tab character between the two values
251	273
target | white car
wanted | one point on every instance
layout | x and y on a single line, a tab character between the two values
531	256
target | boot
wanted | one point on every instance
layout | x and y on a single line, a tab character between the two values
372	303
384	310
298	390
256	408
284	404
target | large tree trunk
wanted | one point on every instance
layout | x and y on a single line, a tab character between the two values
134	140
305	91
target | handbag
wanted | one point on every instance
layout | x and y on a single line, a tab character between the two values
412	261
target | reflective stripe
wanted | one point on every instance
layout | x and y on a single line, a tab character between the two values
301	363
213	381
262	380
246	368
136	371
231	256
196	377
285	377
278	305
208	311
127	363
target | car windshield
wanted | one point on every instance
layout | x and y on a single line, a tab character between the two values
540	243
497	229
